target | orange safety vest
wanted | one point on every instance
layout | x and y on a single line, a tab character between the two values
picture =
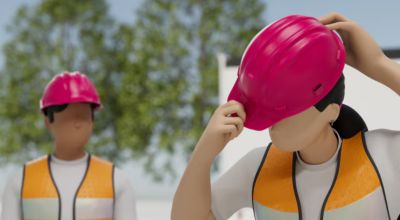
94	199
274	189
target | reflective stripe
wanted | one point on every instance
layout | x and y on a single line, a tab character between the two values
263	212
94	208
43	209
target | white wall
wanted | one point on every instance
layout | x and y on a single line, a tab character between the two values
378	105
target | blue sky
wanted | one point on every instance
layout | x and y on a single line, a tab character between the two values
380	18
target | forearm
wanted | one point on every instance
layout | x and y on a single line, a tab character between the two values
193	196
388	73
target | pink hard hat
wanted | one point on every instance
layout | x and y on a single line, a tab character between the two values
67	88
288	67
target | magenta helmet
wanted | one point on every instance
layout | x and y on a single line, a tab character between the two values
67	88
288	67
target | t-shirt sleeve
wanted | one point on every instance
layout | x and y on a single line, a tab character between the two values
125	201
233	190
11	204
385	144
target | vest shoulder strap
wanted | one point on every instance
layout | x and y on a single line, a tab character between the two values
37	180
356	176
99	180
274	186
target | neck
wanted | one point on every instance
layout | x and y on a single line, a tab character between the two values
322	149
65	153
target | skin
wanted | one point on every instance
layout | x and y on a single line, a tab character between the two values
316	142
310	133
71	130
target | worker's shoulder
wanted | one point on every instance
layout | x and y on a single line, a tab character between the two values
382	137
100	160
38	160
383	144
258	150
255	155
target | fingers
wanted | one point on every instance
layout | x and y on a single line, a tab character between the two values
234	107
339	23
332	18
232	125
232	103
238	122
345	26
231	131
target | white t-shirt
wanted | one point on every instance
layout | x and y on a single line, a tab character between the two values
67	176
233	190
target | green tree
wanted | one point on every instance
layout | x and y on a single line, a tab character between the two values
221	26
179	40
47	39
157	77
157	89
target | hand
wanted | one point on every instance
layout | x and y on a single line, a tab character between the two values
225	124
362	52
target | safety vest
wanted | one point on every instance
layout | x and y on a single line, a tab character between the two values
353	193
94	198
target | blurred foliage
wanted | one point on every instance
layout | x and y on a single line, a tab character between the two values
157	76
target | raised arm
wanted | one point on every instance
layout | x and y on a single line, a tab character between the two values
363	53
193	197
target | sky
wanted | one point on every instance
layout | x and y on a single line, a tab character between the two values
122	10
379	18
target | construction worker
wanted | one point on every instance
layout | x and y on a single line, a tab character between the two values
322	163
69	183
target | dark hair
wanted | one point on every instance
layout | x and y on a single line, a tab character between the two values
349	122
49	111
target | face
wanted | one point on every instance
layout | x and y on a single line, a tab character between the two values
299	131
73	126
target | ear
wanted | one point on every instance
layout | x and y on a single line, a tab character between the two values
334	111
